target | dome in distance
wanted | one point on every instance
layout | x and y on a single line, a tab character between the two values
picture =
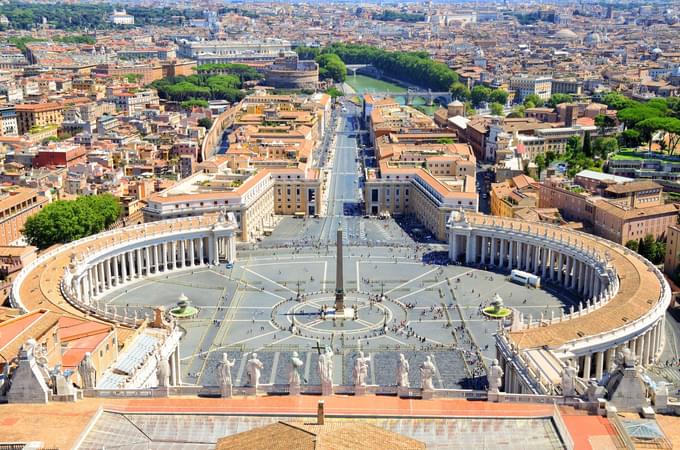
566	34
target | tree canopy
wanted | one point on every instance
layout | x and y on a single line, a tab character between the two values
67	220
556	99
411	67
331	66
390	15
200	87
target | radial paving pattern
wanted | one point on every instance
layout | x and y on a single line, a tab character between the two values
426	309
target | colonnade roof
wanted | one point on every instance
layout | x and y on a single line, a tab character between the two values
41	287
639	289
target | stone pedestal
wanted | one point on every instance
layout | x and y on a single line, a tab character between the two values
628	391
427	394
250	390
294	389
28	384
326	389
161	391
402	392
359	390
493	396
226	391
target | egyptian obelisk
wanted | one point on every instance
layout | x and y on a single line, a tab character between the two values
339	291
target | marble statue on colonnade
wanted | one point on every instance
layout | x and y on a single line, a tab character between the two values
224	375
495	377
162	371
402	371
360	371
87	372
325	369
569	375
294	378
254	368
427	371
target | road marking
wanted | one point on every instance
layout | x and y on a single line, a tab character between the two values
412	280
268	279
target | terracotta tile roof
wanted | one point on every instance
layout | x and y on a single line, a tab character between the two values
633	186
333	435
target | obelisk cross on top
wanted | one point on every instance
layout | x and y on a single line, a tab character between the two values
339	290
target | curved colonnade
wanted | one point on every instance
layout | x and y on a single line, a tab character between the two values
624	296
83	271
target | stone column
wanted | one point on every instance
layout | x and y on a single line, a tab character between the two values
468	249
609	359
116	278
599	365
646	341
216	249
474	247
586	366
157	257
493	251
513	255
173	254
147	260
503	262
131	260
100	278
574	273
138	253
107	274
123	268
192	253
164	250
581	277
560	267
537	259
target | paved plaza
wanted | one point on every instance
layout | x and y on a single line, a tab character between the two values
425	309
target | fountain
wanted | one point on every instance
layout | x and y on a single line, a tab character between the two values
497	310
183	310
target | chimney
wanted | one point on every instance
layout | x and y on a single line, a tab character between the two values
320	414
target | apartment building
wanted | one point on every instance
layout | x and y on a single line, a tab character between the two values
672	259
623	211
527	85
512	195
16	206
421	176
38	115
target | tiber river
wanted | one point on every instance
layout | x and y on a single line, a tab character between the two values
363	84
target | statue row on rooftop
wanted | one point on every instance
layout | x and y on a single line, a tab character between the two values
254	366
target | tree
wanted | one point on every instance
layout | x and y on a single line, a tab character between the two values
469	109
603	146
534	99
603	121
669	125
632	115
496	109
331	66
618	101
517	112
587	145
190	104
653	250
65	221
556	99
540	162
633	245
205	122
334	92
574	144
629	138
498	96
479	95
459	91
